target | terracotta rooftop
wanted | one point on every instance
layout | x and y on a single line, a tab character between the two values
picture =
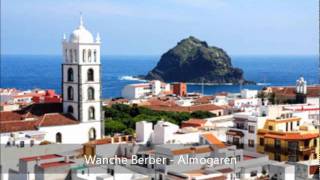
213	140
247	157
290	136
193	123
312	91
55	164
43	157
34	116
204	100
169	106
191	150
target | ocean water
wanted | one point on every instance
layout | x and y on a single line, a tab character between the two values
44	71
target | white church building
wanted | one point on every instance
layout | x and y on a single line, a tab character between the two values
78	119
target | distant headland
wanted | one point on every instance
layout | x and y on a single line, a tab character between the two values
193	61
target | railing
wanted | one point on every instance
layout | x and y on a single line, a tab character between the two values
238	145
278	149
306	150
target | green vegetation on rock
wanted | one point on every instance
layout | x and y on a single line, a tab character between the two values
192	60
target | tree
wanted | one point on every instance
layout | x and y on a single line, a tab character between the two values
134	111
202	114
112	126
129	131
122	108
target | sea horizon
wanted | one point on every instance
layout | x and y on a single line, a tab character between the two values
120	70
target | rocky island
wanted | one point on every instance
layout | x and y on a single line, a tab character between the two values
193	61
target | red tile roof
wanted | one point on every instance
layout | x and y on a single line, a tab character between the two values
214	140
246	157
55	164
288	135
34	116
176	108
290	91
203	100
190	150
293	136
57	119
193	123
313	91
43	157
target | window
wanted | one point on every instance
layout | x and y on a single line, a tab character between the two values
70	54
89	55
95	56
293	145
91	113
251	143
236	140
70	109
66	55
58	138
238	175
90	93
277	143
277	156
92	134
238	157
90	75
21	143
75	55
70	93
286	126
253	173
261	141
291	126
251	129
70	74
84	55
270	128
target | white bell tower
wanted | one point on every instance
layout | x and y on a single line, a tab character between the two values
81	78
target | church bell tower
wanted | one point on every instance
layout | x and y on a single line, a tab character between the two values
81	78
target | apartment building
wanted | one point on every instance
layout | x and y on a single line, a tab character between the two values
285	139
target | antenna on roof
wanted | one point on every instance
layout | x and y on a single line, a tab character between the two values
81	19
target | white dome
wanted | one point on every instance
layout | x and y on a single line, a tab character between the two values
81	34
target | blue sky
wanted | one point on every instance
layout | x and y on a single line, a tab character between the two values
149	27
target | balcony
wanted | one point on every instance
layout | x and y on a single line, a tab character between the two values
238	145
306	150
273	149
235	132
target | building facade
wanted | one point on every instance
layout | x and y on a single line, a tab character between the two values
145	90
285	139
81	79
